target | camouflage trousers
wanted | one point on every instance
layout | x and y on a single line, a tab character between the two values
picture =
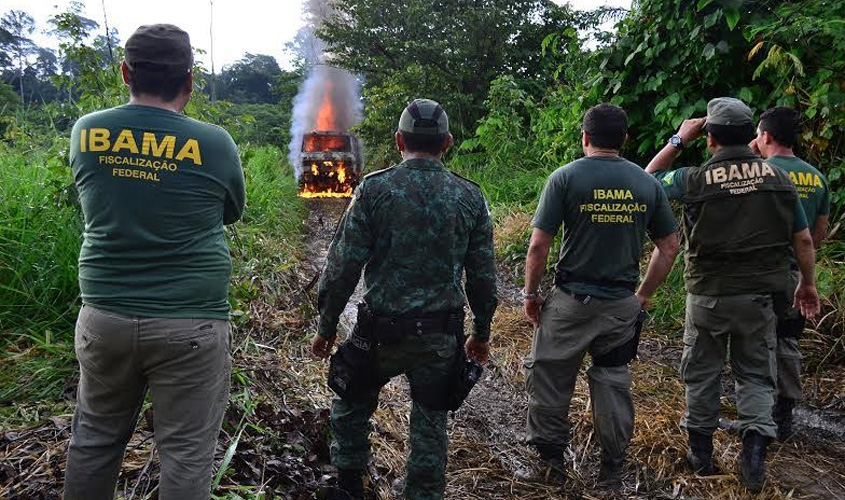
743	325
569	329
423	359
788	355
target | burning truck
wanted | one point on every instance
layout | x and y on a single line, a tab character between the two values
331	164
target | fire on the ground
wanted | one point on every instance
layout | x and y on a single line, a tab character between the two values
331	165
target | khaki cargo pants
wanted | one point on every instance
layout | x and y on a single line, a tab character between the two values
568	329
185	363
745	326
788	355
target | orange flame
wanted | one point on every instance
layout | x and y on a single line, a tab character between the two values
328	180
326	115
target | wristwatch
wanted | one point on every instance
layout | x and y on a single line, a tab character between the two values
676	142
530	296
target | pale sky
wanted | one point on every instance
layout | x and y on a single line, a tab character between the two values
255	26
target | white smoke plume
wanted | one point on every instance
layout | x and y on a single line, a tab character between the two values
324	83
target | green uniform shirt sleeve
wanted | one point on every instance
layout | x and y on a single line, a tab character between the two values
235	185
800	221
481	275
349	252
673	182
550	209
663	221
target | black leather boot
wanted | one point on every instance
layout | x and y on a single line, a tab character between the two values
752	465
552	455
610	473
782	415
700	453
350	485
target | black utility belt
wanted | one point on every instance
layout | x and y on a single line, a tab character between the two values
389	329
564	277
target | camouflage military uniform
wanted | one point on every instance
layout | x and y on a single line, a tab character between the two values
414	228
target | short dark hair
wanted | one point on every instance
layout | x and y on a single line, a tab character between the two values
156	80
424	143
731	135
782	124
606	125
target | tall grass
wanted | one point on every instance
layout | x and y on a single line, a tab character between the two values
40	236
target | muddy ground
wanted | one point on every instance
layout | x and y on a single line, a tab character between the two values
277	423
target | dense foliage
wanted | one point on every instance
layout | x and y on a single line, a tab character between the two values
667	59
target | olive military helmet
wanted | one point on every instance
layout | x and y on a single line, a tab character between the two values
425	117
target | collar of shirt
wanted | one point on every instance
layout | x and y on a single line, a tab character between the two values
730	153
423	164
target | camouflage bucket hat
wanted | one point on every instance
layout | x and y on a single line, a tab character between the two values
162	45
727	111
424	116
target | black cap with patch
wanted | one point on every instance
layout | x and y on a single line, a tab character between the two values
162	45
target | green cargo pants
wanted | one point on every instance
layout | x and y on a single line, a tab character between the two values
569	329
788	355
745	324
423	359
185	364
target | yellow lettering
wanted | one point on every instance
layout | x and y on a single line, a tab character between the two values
82	136
794	179
191	150
165	147
125	141
98	139
817	181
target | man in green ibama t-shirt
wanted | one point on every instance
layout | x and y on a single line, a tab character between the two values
607	206
777	133
156	188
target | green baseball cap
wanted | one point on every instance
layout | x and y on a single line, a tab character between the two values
424	116
727	111
160	44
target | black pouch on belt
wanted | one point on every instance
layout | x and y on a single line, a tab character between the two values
626	352
353	369
790	322
449	392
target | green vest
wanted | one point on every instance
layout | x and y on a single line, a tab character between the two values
738	221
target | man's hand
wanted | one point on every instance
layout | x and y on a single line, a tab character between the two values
532	309
754	147
691	129
807	300
645	302
321	347
477	350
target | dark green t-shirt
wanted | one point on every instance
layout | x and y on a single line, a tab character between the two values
813	191
156	188
606	206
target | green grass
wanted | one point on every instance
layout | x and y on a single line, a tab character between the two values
40	236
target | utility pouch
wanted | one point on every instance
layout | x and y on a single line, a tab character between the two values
449	392
353	369
626	352
790	323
